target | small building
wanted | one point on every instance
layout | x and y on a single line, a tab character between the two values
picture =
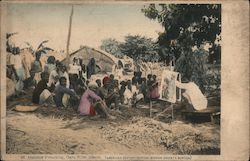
103	59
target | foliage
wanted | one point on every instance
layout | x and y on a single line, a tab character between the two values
140	47
136	47
192	66
111	45
188	25
41	49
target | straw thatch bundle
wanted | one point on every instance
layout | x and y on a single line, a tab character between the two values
177	137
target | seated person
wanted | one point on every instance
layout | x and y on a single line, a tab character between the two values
137	95
30	82
109	95
193	95
113	84
42	91
81	86
73	81
99	83
87	107
99	88
61	90
129	93
63	73
54	75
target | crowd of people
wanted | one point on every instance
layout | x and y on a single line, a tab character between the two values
71	86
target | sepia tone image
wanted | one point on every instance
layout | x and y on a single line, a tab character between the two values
113	78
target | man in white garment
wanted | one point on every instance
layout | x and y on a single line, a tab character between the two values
16	62
193	95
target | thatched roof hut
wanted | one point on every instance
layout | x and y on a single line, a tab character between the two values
102	58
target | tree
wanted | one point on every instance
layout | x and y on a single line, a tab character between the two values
111	45
140	47
188	25
40	49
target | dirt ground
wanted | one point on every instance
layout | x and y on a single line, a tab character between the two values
51	131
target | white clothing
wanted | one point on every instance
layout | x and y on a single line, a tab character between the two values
44	96
119	73
74	69
16	60
65	100
52	76
128	94
37	77
66	75
193	95
10	87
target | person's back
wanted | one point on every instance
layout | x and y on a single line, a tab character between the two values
85	104
198	100
193	94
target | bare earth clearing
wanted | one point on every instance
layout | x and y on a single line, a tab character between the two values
50	131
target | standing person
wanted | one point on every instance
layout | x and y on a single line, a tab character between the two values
144	89
63	73
74	67
42	92
36	67
28	59
91	68
16	63
154	92
60	90
50	65
117	69
83	72
137	68
122	90
74	73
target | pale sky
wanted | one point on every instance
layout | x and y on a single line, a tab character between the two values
91	23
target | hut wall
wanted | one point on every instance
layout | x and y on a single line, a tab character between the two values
101	59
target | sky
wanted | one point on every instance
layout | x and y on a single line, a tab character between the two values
91	23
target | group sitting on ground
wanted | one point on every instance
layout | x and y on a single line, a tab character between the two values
61	86
63	89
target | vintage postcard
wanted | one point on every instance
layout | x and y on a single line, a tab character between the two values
124	80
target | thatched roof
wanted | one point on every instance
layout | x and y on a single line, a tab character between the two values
103	59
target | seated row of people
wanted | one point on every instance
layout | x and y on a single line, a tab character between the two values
54	89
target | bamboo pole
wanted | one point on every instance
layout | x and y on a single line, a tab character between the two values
69	35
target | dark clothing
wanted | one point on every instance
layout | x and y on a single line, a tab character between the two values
91	68
59	92
109	97
42	85
29	82
121	93
73	78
